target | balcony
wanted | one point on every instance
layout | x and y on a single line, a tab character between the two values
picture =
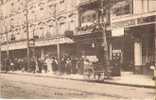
88	29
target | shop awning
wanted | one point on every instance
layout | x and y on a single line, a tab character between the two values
23	44
14	46
63	40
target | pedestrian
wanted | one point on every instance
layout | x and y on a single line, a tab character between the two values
54	64
49	64
12	65
68	66
44	67
7	64
16	64
80	65
62	65
74	63
32	65
40	64
22	65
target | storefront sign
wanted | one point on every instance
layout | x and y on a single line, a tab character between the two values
118	31
133	22
124	23
146	19
14	46
53	41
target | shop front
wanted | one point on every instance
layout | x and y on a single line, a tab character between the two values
90	46
50	47
140	47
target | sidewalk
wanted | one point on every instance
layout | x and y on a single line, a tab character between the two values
126	78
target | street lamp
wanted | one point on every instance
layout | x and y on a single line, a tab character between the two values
0	53
56	32
105	9
105	13
27	32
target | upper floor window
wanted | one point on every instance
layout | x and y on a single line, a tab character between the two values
62	1
62	28
122	8
88	16
12	4
41	8
61	5
152	5
13	37
144	6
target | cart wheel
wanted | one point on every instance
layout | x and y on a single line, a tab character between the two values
99	77
88	75
91	74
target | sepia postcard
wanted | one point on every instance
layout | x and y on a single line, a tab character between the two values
78	49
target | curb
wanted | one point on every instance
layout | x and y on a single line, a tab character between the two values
101	82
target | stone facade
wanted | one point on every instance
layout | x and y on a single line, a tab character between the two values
44	16
49	19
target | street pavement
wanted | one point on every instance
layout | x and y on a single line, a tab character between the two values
24	87
126	78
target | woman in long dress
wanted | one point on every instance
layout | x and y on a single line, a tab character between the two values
49	64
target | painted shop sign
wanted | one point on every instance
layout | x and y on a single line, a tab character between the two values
54	41
146	19
124	23
134	22
14	46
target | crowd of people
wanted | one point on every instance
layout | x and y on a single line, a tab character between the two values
49	64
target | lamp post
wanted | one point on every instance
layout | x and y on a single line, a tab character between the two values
105	9
105	14
7	38
27	33
0	53
7	51
56	32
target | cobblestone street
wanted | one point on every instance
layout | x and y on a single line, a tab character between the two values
15	86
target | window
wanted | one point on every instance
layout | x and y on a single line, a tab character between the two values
61	5
32	11
62	1
50	6
72	25
62	28
88	16
152	5
12	4
122	8
12	37
41	28
41	8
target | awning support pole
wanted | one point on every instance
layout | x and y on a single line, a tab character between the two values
58	53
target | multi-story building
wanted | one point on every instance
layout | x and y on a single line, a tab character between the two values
133	28
138	28
47	22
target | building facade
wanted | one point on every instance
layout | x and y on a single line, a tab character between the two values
132	26
138	34
47	22
133	31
